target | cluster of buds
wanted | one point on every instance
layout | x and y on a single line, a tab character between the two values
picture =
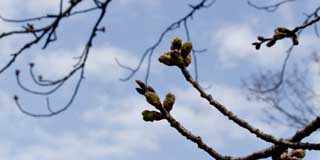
153	99
296	154
279	33
179	55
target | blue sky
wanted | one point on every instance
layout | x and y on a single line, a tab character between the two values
105	120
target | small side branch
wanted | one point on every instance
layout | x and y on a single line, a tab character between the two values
269	8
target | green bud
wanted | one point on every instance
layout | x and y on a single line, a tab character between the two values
166	59
151	89
140	91
153	99
299	153
176	44
282	30
186	48
271	43
279	36
141	84
260	38
169	101
176	58
187	60
150	116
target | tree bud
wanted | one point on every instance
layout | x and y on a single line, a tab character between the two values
153	99
282	30
140	91
149	88
166	59
299	153
176	58
150	116
169	102
260	38
271	43
187	60
186	48
176	44
279	36
141	84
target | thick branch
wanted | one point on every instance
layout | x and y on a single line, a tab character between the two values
242	123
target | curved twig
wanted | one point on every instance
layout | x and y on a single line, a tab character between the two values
269	8
78	68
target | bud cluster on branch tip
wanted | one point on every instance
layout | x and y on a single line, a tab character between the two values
279	33
150	116
168	102
144	88
296	154
179	54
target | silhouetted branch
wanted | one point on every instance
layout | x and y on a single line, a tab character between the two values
278	82
79	67
294	98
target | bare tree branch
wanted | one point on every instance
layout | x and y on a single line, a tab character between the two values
79	67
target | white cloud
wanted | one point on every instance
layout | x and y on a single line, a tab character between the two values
40	7
286	15
235	39
70	146
233	46
101	62
9	113
4	150
17	8
129	131
115	133
55	64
